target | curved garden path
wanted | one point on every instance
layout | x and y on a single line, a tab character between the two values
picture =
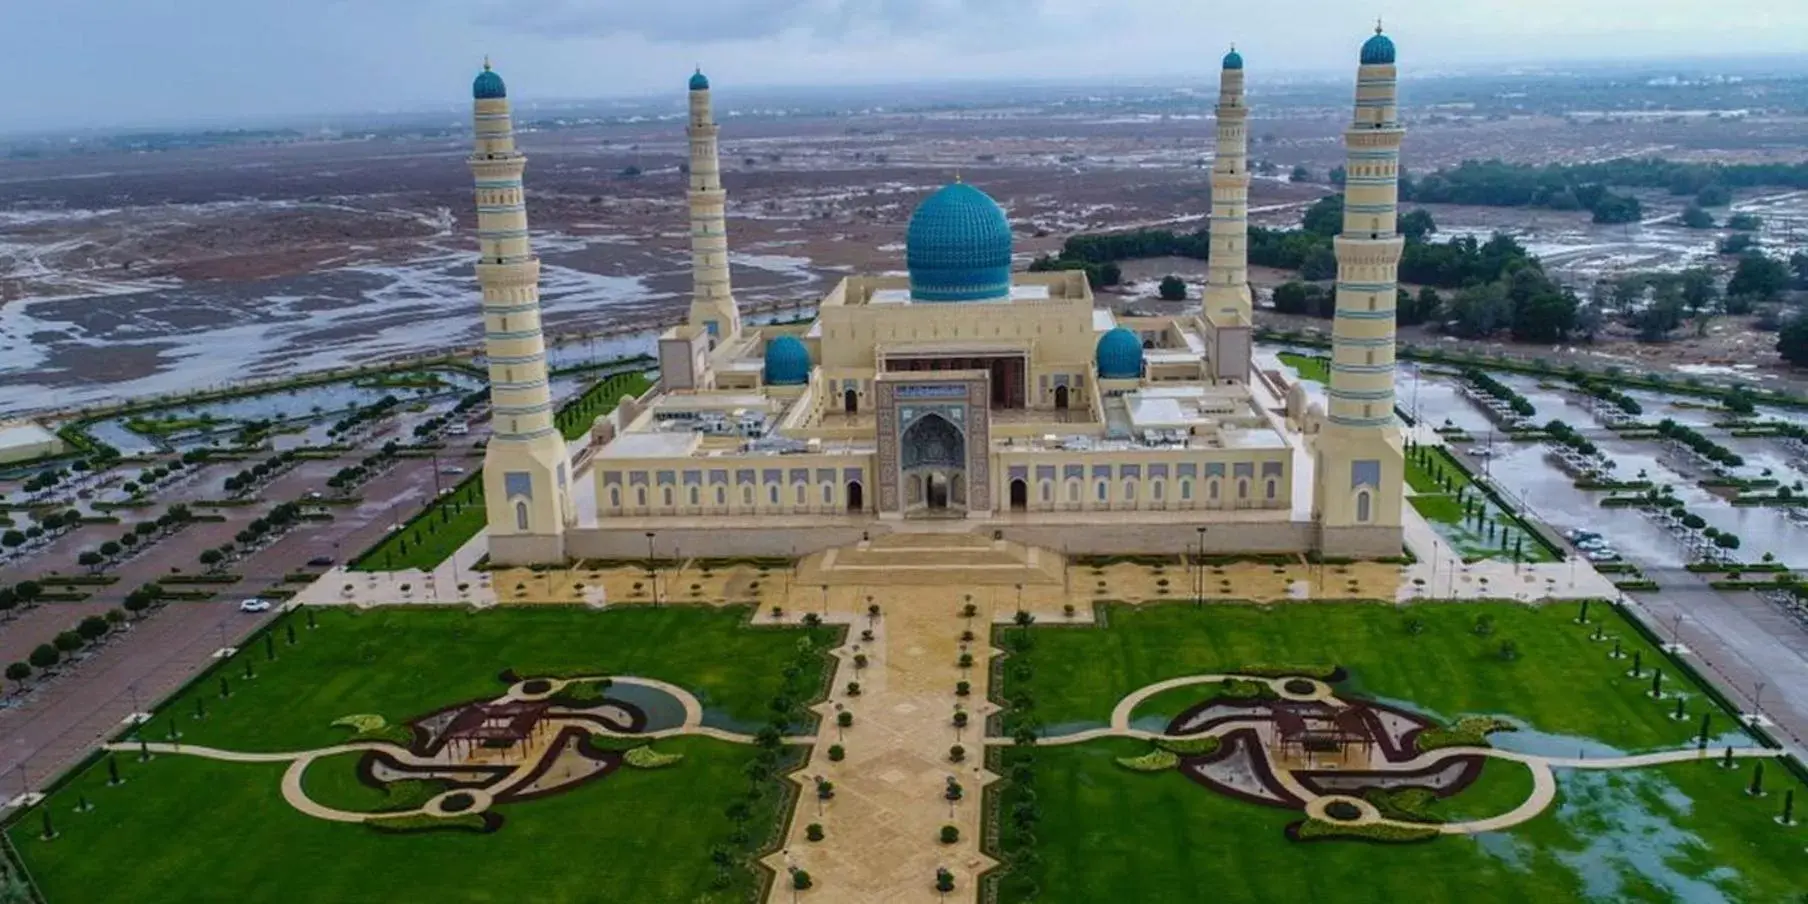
1544	779
300	760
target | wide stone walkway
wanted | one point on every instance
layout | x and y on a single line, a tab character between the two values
882	828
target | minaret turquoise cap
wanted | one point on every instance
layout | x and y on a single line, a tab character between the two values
1233	60
1378	50
488	85
699	81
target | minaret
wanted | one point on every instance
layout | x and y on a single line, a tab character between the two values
526	471
1226	303
1359	466
712	299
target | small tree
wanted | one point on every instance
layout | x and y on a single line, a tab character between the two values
944	880
950	834
68	641
18	672
1172	288
92	628
44	656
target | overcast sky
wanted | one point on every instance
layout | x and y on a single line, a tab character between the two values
128	62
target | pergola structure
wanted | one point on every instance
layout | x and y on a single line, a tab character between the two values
1302	730
486	724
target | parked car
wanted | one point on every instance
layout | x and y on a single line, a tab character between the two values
458	429
452	469
1602	555
254	604
321	562
1577	535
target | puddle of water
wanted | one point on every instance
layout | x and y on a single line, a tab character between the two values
1624	820
663	710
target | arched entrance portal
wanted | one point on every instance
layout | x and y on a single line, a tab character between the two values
1020	495
850	402
855	500
932	453
1060	398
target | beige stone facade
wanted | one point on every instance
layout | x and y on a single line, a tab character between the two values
1009	403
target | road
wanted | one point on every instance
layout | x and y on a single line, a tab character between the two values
55	726
1741	641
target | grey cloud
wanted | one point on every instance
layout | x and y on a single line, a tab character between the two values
695	21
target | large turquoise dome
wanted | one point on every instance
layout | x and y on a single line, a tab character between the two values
1233	60
699	81
1120	355
787	362
958	247
488	85
1378	50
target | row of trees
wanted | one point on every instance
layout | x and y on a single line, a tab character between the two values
86	632
47	523
277	521
143	533
248	479
1494	183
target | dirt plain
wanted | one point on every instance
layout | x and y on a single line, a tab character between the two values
297	254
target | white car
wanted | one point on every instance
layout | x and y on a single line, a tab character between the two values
1602	555
458	429
1590	544
254	605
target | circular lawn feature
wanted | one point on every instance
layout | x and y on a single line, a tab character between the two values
1300	686
459	801
1342	810
536	686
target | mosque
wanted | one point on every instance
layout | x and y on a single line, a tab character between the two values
963	398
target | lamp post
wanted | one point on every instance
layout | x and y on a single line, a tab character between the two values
825	600
1758	703
1019	597
1199	572
652	568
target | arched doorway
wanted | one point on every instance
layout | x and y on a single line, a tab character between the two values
855	502
850	402
1020	495
935	492
1060	398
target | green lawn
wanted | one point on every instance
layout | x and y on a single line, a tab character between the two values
432	536
575	418
183	829
1437	480
1684	832
1310	367
1562	683
401	662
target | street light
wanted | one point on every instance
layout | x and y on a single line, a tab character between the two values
652	568
1019	597
1199	572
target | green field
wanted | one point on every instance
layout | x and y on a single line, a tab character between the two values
1427	471
1312	368
575	418
185	829
432	536
1562	683
1682	832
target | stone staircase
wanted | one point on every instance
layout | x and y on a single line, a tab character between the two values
938	557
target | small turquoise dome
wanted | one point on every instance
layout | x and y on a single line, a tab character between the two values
1378	50
1233	60
488	85
699	81
1120	355
787	362
958	247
